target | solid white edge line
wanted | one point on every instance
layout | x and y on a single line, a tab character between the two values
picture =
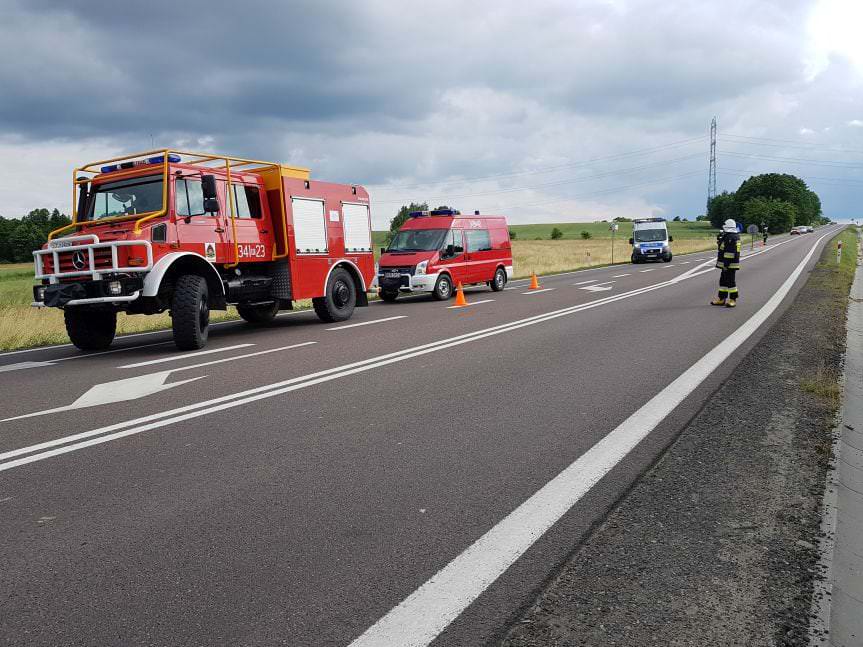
179	414
424	614
174	358
367	323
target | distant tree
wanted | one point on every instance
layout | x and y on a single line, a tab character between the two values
556	234
721	208
513	234
586	235
701	218
778	215
784	187
676	219
402	216
24	240
622	219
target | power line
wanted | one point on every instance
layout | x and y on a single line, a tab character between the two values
830	163
807	147
850	182
598	176
548	169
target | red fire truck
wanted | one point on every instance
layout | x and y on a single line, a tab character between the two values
192	232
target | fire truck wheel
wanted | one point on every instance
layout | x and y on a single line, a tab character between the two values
443	288
259	313
498	283
339	301
190	312
90	329
389	297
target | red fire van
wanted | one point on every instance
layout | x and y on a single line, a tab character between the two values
436	250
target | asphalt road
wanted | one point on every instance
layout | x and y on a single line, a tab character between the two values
394	483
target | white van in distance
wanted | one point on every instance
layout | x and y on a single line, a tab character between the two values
650	240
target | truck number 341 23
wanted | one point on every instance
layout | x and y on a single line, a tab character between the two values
253	251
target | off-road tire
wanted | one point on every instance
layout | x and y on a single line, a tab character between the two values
90	329
498	283
259	313
190	312
389	297
340	299
667	259
443	289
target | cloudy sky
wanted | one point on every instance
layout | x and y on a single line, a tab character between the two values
545	111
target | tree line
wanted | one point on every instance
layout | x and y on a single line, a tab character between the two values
20	236
777	200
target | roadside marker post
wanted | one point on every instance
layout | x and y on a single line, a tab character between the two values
838	252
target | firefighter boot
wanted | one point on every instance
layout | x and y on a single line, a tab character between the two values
718	301
731	303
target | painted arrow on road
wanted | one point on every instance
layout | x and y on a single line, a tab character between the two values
130	388
599	287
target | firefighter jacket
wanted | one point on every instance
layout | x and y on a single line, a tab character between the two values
728	256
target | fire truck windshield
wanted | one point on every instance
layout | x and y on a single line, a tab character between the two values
129	197
418	240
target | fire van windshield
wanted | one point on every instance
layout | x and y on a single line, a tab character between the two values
129	197
648	235
418	240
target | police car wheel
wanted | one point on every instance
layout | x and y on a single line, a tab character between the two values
443	288
499	281
667	259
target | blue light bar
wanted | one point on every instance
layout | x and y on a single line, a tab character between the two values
446	212
159	159
418	214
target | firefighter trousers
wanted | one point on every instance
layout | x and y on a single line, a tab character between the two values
728	285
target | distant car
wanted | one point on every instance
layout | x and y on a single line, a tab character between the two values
810	229
796	231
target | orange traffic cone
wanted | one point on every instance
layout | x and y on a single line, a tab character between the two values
534	282
459	296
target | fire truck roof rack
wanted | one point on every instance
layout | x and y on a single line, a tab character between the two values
270	172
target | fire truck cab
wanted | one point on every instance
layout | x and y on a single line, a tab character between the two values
189	233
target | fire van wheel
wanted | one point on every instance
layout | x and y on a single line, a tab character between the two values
258	313
190	312
90	329
339	301
667	258
443	288
498	283
389	297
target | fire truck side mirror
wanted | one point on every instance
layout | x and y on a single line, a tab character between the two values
631	241
208	187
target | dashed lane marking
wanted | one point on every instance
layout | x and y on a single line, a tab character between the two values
475	303
538	291
368	323
174	358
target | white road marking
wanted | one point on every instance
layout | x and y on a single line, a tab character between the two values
617	276
51	362
176	358
424	614
130	388
143	385
367	323
474	303
538	291
583	282
650	270
684	262
667	265
599	287
134	426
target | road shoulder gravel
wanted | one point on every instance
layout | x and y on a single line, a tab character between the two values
717	543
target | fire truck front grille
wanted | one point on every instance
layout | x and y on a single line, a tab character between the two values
79	261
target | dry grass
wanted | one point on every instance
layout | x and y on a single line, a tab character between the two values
550	256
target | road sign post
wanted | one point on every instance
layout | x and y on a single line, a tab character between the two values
613	228
752	229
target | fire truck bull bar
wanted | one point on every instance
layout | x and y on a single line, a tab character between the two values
67	245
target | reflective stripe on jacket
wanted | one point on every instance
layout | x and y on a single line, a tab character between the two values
728	254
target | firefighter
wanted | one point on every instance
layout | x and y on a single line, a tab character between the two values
727	260
764	233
